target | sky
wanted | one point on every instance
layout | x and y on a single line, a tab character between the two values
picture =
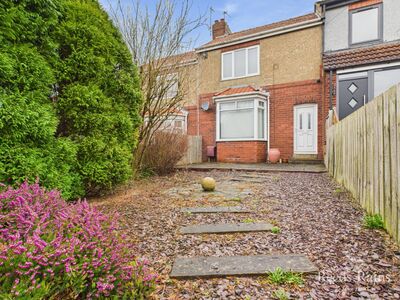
242	14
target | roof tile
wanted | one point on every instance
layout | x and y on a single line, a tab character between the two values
240	34
362	56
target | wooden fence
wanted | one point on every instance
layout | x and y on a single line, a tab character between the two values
363	154
194	151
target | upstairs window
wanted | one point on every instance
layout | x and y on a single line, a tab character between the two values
240	63
366	24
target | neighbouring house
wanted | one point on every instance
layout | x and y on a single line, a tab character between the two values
361	51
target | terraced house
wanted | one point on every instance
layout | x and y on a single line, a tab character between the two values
272	86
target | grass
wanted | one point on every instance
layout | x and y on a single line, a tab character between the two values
373	222
280	277
275	230
280	295
236	199
249	220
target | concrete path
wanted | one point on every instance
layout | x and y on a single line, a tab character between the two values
226	228
264	167
240	265
215	209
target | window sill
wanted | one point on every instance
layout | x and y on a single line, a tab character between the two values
241	77
241	140
365	44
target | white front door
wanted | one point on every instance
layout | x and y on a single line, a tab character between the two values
305	129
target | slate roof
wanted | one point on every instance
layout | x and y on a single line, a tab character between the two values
244	33
362	56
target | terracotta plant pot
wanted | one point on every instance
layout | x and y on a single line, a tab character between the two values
273	155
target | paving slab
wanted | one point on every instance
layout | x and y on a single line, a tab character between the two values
215	209
261	167
240	265
226	228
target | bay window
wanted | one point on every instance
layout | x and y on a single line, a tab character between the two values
240	63
244	119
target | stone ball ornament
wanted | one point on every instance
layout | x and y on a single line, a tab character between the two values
208	184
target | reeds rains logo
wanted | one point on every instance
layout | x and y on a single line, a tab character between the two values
360	276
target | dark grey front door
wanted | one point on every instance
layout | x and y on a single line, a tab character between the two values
353	94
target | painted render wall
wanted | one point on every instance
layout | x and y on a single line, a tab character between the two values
337	25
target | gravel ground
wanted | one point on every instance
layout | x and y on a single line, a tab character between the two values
316	218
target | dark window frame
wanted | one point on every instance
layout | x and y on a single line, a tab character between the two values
380	25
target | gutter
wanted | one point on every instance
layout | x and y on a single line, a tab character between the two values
264	34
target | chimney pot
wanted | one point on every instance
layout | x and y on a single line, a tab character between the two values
220	28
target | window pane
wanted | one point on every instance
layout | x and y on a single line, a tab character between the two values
245	104
301	121
237	124
365	25
227	105
309	121
240	63
384	80
253	61
227	65
261	123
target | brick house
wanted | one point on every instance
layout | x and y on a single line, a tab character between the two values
361	51
272	86
260	88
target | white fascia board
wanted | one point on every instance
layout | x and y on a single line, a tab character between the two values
367	68
261	95
264	34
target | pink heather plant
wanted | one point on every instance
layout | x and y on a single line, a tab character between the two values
52	249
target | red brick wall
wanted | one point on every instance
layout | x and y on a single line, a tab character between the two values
242	152
364	3
206	120
283	98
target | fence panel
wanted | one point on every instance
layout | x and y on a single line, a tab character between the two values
193	153
362	154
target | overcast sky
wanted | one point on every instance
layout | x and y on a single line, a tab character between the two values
242	14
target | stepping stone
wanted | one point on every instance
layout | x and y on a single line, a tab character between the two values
215	209
226	228
240	265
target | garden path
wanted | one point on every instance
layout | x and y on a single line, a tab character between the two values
315	216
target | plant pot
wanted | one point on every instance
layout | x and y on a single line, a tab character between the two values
273	155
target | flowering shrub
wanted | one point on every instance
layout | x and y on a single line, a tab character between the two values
52	249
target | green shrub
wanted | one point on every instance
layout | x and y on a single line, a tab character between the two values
28	146
99	95
373	221
81	140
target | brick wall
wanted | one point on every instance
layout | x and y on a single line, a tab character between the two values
206	121
364	3
283	98
242	152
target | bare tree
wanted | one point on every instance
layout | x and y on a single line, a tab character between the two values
159	42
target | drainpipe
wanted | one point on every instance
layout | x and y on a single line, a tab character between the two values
330	90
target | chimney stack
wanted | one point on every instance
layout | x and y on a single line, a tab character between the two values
220	28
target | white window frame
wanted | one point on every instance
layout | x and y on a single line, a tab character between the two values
246	63
255	99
